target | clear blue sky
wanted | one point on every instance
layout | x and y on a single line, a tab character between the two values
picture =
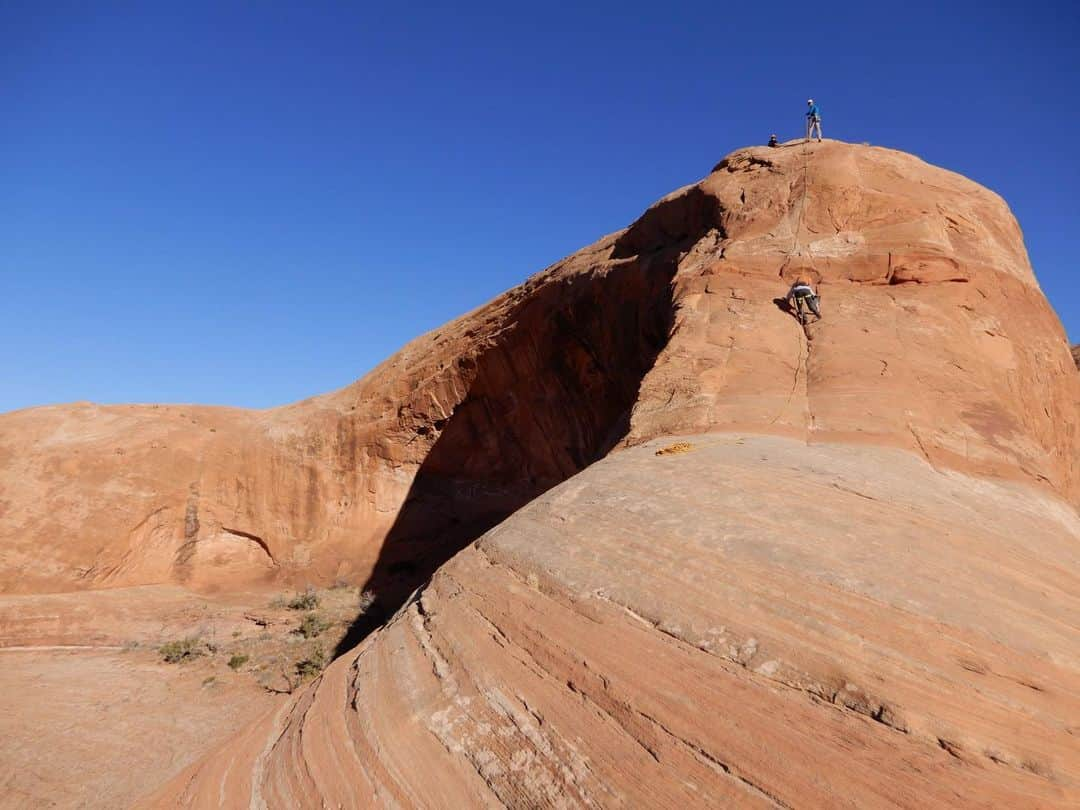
250	203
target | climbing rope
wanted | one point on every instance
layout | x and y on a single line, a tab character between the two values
804	341
802	202
804	338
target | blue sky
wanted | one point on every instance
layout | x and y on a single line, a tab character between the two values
250	203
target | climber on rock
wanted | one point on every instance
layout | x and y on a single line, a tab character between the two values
813	120
773	142
802	293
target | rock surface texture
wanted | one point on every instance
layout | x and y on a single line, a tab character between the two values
856	586
752	623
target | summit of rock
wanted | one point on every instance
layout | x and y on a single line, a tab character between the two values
858	582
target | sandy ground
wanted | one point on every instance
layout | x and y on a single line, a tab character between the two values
92	714
76	719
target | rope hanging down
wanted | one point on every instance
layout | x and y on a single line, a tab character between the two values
802	202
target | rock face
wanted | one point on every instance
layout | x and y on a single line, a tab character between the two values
752	623
936	339
857	587
467	424
1076	355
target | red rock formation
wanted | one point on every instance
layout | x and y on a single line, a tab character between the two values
841	612
936	339
469	422
1076	355
752	623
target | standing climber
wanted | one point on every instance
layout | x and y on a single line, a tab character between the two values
813	120
773	142
801	292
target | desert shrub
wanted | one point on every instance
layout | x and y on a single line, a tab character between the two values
367	599
308	600
185	649
312	665
311	626
237	661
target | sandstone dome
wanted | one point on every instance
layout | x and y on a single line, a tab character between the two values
646	538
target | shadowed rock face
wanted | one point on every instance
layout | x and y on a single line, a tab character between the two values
1076	355
859	582
550	395
377	483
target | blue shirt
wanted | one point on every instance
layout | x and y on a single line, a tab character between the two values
814	112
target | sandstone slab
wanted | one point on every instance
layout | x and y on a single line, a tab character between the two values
753	622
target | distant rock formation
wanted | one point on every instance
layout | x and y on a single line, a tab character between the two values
855	583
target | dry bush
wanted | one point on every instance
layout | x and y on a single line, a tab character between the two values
312	665
308	600
366	600
185	649
237	661
312	626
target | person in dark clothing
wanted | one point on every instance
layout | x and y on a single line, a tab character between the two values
813	120
802	293
773	142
